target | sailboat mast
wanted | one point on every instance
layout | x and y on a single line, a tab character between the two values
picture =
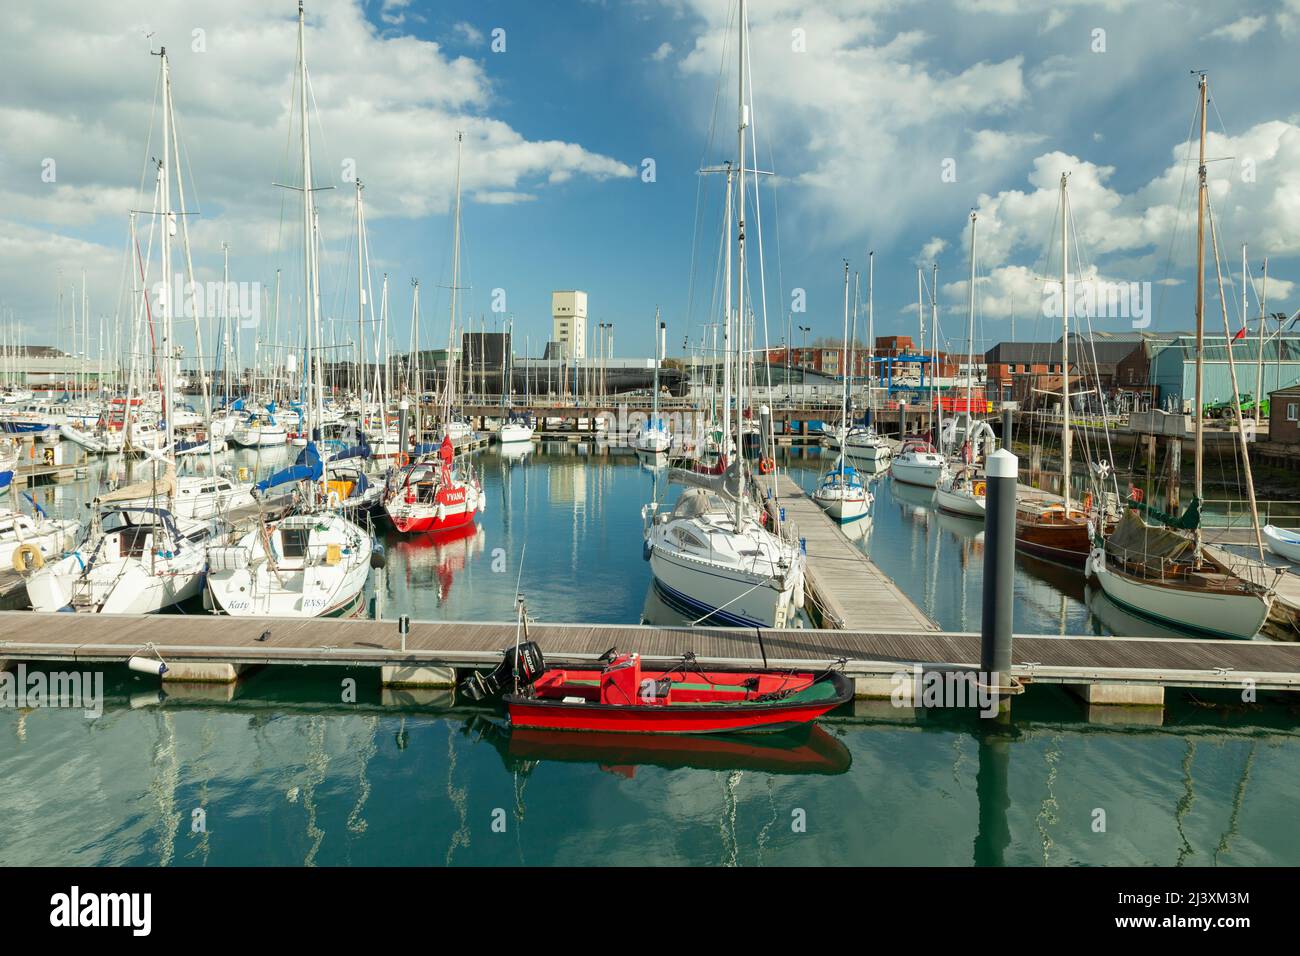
166	298
1066	441
970	327
361	310
844	392
743	123
1203	85
871	330
455	283
726	323
308	241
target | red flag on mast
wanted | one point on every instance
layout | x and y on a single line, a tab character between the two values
1241	334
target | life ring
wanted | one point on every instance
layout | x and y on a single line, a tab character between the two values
979	489
766	466
28	557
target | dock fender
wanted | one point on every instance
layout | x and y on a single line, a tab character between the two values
798	592
1096	564
482	501
647	549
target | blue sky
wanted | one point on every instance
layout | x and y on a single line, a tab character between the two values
858	103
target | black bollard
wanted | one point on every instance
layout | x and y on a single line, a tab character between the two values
999	569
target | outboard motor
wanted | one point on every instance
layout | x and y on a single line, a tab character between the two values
526	661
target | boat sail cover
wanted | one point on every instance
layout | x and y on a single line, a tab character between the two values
308	467
1188	521
1152	546
163	486
727	484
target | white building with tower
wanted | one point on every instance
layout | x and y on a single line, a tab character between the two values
569	322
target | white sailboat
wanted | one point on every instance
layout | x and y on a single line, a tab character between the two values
710	556
960	489
314	563
654	437
138	557
27	540
841	492
1163	571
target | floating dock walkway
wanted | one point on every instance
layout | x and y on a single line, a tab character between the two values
209	648
847	589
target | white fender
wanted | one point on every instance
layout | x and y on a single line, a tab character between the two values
480	501
440	513
798	592
333	501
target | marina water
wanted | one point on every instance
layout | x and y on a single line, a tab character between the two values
290	766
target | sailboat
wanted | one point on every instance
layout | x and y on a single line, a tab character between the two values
315	562
961	490
1047	527
139	555
711	556
441	494
1162	570
841	492
517	426
654	437
27	540
858	440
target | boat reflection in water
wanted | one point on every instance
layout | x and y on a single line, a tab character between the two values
439	556
917	499
962	526
807	749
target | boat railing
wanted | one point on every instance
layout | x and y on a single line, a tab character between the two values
1230	513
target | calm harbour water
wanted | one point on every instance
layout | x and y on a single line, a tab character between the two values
285	773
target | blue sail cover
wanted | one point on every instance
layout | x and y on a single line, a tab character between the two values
307	468
5	478
342	452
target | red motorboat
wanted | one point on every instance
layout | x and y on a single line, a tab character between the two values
619	696
430	496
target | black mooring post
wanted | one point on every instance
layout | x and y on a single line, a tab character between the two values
999	567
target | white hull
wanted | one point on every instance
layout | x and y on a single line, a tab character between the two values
959	501
696	587
122	586
923	473
512	432
1224	615
653	442
50	537
876	451
87	441
842	508
1283	543
242	582
263	437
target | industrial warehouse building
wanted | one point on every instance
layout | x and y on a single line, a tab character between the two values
1173	369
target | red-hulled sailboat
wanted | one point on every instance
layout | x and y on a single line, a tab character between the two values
431	496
